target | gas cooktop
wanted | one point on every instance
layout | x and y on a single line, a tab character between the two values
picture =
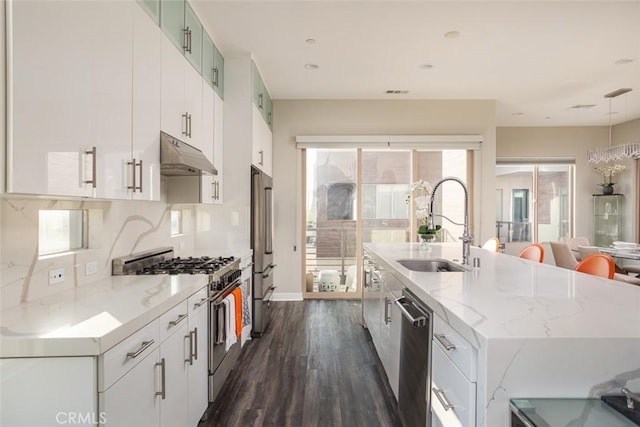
162	261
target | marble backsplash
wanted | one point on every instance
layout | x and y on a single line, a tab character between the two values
117	228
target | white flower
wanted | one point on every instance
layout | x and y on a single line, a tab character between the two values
422	202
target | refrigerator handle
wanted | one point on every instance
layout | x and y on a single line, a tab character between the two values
268	218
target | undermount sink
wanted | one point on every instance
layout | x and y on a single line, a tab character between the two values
431	265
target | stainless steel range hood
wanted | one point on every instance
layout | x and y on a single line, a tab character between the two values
177	158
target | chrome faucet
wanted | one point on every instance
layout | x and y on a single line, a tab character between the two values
631	397
466	235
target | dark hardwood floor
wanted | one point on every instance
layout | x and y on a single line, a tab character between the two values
314	366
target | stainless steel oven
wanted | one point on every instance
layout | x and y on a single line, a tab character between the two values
221	359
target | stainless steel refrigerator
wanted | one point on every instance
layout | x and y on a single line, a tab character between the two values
262	245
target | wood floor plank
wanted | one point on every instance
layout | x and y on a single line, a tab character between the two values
314	366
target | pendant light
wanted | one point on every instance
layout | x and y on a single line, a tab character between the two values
603	155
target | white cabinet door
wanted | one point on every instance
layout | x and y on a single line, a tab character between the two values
218	148
262	142
193	106
70	86
147	51
173	114
45	391
208	106
372	306
133	400
174	351
390	335
198	371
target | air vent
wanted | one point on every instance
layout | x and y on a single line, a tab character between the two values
397	92
617	92
582	106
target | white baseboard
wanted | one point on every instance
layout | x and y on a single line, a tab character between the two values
283	296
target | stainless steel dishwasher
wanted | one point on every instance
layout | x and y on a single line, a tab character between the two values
414	399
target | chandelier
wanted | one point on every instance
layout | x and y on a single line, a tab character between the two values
619	152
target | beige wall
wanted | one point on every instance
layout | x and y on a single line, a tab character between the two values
573	142
294	118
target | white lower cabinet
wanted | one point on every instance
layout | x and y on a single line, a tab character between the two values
198	367
372	303
134	400
453	377
174	362
453	396
390	331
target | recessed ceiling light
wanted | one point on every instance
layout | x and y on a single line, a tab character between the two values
547	118
311	66
624	61
452	34
618	92
518	113
582	106
426	66
396	92
310	41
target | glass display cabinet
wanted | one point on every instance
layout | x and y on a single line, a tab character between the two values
607	218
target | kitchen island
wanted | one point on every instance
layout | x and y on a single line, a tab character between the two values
535	330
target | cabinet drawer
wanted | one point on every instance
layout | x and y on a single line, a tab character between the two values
453	396
198	301
172	318
459	350
118	360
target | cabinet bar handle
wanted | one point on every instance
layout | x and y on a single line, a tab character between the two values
180	318
189	123
186	45
448	345
190	337
387	319
195	343
185	130
260	101
133	166
163	390
94	166
269	119
261	162
443	400
215	77
202	301
145	345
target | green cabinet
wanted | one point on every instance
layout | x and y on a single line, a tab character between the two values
260	96
172	22
193	29
607	219
182	26
212	65
218	72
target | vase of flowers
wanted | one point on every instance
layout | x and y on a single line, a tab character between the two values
419	193
607	172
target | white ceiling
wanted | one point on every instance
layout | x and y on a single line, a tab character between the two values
535	58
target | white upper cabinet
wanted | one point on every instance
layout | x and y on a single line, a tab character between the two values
70	90
71	113
144	166
181	96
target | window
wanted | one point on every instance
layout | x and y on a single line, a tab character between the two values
61	231
536	201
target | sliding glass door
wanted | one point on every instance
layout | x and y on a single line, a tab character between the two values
356	196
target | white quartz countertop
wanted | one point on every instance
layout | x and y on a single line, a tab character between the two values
508	297
89	320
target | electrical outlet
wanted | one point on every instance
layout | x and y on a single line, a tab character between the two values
91	268
56	276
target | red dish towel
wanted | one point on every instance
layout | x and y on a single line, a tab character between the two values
237	293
